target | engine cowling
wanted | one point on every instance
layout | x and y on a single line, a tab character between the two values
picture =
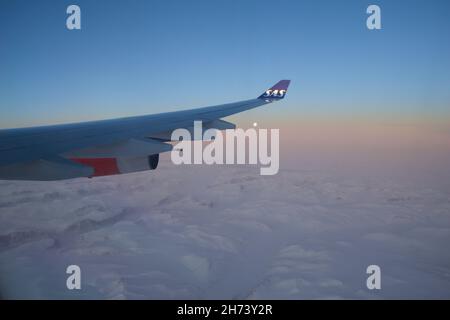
111	166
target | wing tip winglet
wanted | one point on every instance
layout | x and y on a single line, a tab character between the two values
277	91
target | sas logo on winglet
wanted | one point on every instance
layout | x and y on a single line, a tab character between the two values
274	93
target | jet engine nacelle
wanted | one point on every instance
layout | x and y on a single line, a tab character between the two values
153	161
111	166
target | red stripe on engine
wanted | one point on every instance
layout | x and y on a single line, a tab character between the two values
102	166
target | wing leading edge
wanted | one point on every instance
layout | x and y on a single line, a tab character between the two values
47	152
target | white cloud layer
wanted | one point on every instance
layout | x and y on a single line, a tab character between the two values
225	232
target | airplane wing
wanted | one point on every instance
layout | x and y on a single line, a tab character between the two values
107	147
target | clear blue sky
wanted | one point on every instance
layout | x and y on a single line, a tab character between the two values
140	57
